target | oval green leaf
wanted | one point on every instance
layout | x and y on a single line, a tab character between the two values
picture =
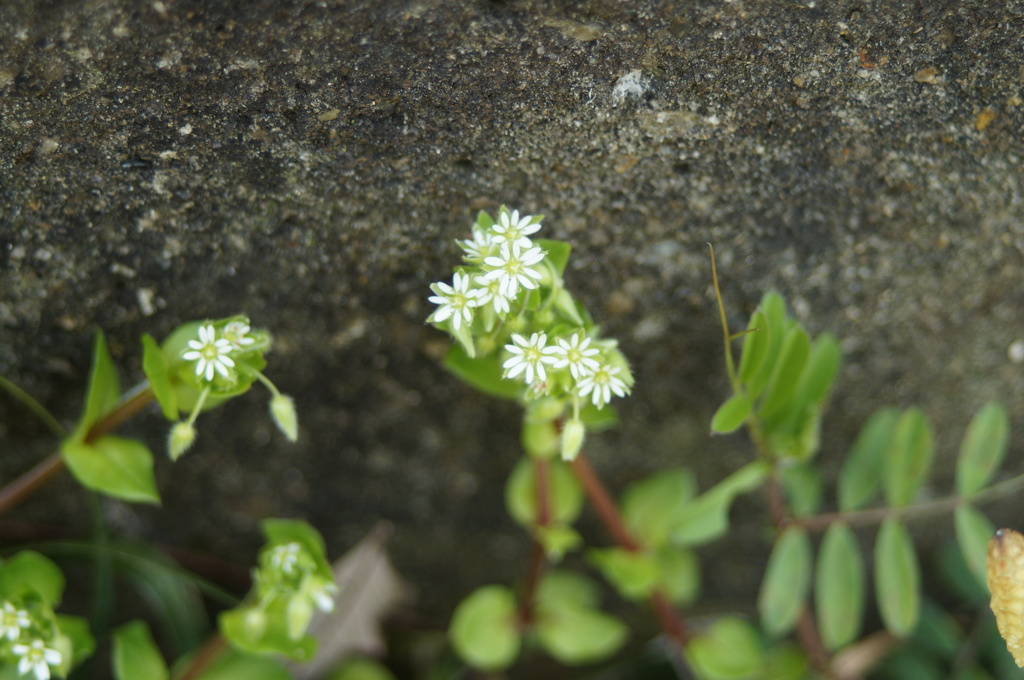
484	630
909	459
154	364
732	414
483	373
729	650
804	488
652	506
29	569
578	635
820	371
786	580
565	495
707	517
136	655
983	448
634	574
839	587
679	574
862	470
115	466
973	531
897	578
781	388
755	346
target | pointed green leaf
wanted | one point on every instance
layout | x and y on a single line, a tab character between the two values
755	346
483	373
786	580
484	630
820	370
862	470
578	635
29	569
557	253
839	587
136	655
118	467
796	347
633	573
728	650
973	531
76	630
804	489
707	517
774	326
910	458
983	448
557	540
732	414
897	578
154	364
104	388
652	506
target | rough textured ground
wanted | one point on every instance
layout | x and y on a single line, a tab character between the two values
311	163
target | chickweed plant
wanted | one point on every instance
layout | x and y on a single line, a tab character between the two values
200	366
521	335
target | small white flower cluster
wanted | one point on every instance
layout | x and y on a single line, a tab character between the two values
290	573
18	630
212	351
503	258
590	374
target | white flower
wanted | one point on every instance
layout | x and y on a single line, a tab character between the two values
236	333
577	355
37	658
457	301
529	356
513	230
602	383
511	268
491	293
322	592
210	353
480	246
286	558
12	621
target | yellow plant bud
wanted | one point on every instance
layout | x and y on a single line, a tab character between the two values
1005	567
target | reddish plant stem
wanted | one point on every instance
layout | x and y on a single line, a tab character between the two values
538	560
209	653
668	618
43	472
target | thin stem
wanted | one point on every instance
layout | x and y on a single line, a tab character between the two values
27	484
668	618
209	653
538	560
729	367
30	402
937	506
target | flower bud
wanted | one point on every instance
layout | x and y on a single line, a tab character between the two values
181	438
282	410
573	434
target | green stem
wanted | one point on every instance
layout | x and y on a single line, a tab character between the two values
27	400
27	484
729	366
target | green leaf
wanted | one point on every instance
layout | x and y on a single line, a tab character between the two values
652	506
732	414
104	386
839	587
118	467
484	630
136	655
235	665
540	440
557	540
796	347
820	370
154	364
557	253
707	517
755	346
76	630
569	308
786	580
983	448
803	486
483	373
634	574
973	531
30	570
774	327
597	419
578	635
680	574
565	494
861	473
360	668
561	588
897	578
909	459
729	650
264	631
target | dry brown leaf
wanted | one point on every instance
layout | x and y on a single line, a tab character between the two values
1005	567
